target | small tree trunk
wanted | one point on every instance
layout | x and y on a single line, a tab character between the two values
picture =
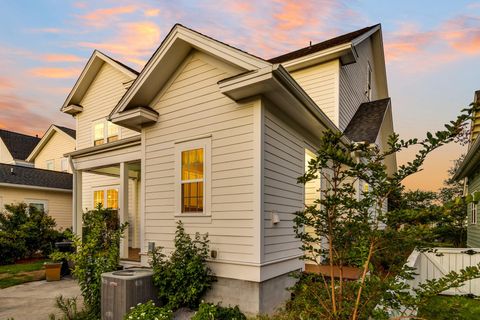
364	274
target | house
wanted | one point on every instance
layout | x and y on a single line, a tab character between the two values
216	137
469	170
15	147
39	176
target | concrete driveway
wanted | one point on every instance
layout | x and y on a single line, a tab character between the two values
35	300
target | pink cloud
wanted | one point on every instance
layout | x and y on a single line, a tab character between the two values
55	73
61	58
101	17
151	12
5	84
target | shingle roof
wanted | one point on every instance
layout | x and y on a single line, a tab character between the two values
366	122
321	46
19	145
72	133
29	176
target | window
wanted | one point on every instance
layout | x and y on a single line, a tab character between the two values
192	173
41	205
107	197
64	164
192	180
104	131
50	164
473	217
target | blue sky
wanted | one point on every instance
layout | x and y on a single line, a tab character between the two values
432	51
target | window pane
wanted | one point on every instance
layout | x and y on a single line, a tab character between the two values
112	132
98	133
50	165
64	165
192	197
97	198
38	206
192	164
112	198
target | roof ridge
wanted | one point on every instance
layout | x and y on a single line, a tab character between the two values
119	62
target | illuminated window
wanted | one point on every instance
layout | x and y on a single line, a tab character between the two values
112	198
99	133
112	132
98	197
192	180
104	131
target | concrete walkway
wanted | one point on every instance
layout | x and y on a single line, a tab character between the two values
35	300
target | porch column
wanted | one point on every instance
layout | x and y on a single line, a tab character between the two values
123	207
77	210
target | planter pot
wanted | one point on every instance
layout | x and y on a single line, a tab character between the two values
52	271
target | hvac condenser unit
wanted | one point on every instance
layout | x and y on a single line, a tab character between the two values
124	289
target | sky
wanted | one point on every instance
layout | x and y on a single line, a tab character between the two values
432	51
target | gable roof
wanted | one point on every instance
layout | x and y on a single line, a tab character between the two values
33	177
172	51
88	74
345	38
366	122
71	132
19	145
47	136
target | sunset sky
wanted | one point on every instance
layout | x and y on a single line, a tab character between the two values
432	51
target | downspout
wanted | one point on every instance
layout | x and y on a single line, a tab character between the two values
74	194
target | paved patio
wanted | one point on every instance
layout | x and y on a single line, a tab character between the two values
35	300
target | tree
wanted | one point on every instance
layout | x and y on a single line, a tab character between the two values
343	230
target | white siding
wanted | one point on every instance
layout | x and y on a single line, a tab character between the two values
5	156
321	83
102	96
353	83
192	106
284	162
58	145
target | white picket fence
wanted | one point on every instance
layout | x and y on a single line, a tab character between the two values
439	262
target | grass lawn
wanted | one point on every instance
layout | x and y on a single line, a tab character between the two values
14	274
451	308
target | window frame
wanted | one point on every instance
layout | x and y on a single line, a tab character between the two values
199	143
105	194
473	213
64	164
50	161
105	123
29	201
369	81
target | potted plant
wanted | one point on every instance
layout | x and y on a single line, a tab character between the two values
53	268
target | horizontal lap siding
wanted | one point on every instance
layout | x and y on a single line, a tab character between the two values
192	106
283	164
59	203
101	97
353	83
58	145
320	82
473	231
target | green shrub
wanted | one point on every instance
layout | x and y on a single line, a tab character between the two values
148	311
69	309
26	231
183	278
98	252
210	311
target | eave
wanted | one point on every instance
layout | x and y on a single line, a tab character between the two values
470	162
276	84
136	118
72	109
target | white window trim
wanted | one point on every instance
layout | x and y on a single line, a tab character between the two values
62	162
105	131
369	85
104	189
52	161
42	201
473	213
206	144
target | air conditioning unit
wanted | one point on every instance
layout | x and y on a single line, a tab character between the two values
124	289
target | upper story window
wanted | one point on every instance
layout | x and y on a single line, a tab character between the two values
50	164
369	82
192	167
104	131
64	164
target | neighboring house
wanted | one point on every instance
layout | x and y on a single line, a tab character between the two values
44	179
216	137
469	170
15	147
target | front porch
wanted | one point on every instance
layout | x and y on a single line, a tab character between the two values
110	174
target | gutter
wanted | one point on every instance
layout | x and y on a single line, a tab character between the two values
23	186
119	144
